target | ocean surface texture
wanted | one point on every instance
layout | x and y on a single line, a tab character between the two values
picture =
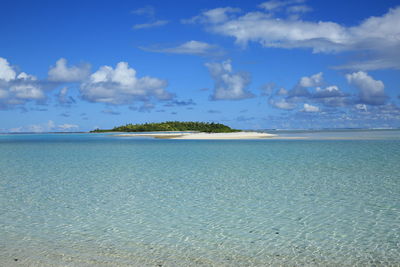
99	200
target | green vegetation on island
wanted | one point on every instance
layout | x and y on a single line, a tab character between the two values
206	127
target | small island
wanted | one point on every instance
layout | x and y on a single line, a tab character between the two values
184	130
172	126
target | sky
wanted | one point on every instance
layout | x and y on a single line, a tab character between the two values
278	64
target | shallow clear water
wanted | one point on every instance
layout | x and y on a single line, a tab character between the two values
341	134
97	200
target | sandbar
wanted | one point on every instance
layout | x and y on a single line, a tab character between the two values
203	136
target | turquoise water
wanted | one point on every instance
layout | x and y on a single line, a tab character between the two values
341	134
98	200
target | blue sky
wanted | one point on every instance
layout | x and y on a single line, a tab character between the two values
290	64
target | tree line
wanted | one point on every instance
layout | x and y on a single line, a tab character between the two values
208	127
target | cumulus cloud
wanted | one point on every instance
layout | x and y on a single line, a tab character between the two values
310	108
371	91
331	96
329	91
309	89
229	85
190	48
157	23
312	81
62	73
26	91
17	89
122	86
6	72
107	85
378	35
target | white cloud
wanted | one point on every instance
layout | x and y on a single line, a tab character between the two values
190	48
157	23
216	15
121	86
282	104
312	81
371	91
330	96
6	71
27	92
62	73
310	108
379	35
329	91
25	76
273	5
361	107
228	85
17	89
271	32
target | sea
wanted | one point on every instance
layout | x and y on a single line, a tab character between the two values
327	198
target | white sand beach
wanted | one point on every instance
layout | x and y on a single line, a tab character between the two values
236	135
203	136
